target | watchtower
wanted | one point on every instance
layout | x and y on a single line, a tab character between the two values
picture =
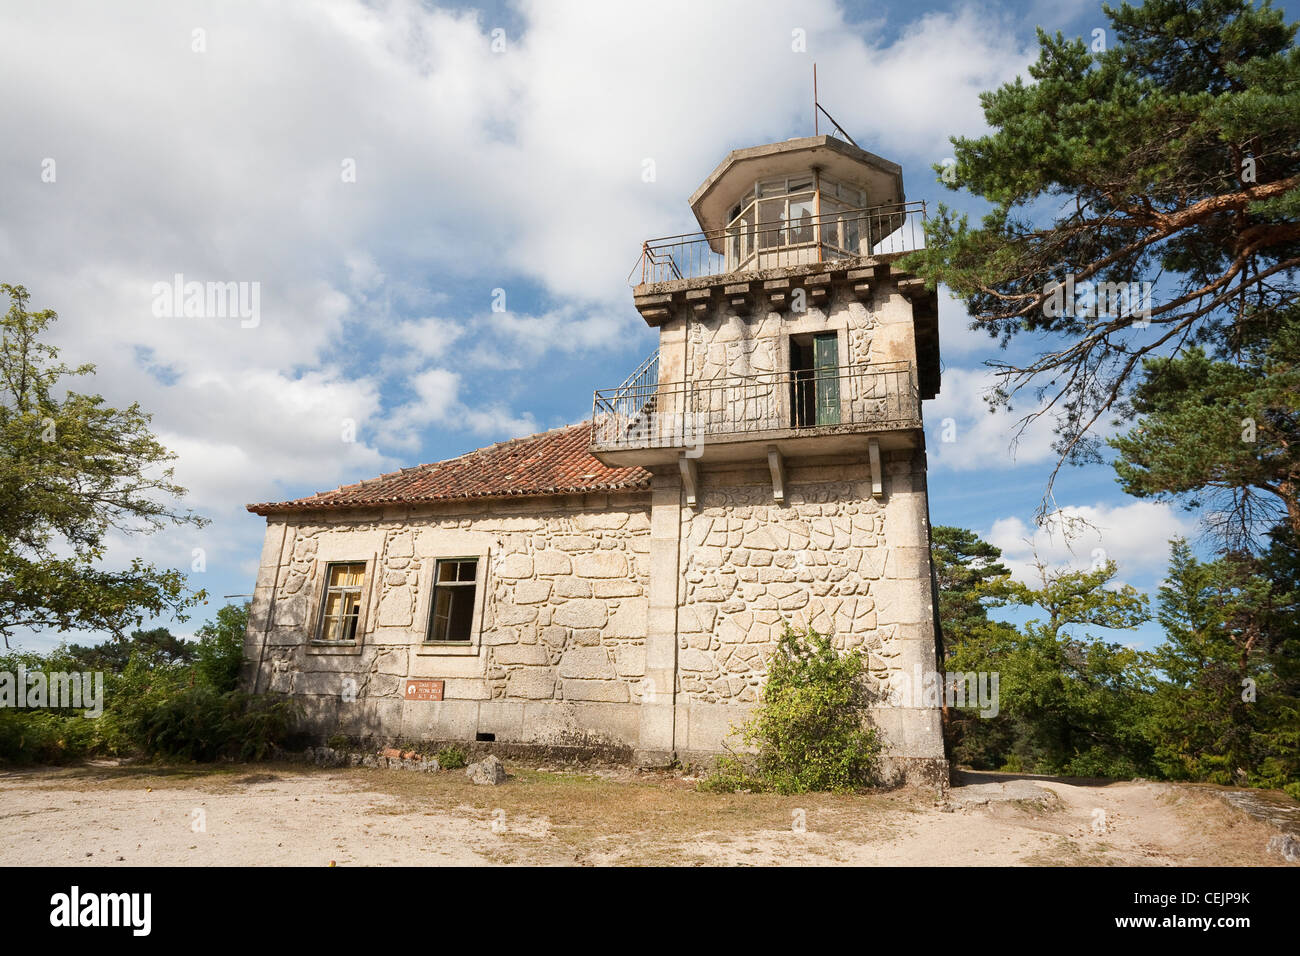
781	417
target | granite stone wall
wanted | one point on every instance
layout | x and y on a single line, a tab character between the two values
751	564
561	615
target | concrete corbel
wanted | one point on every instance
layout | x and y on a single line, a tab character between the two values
877	483
777	464
690	478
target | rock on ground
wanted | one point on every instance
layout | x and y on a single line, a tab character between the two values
489	770
1286	846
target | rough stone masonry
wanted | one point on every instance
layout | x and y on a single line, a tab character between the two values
618	586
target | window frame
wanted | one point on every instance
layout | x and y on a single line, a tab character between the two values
747	234
454	587
807	383
427	604
361	590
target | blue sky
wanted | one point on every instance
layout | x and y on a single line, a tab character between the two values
214	141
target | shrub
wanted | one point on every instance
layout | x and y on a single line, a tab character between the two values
200	724
809	731
156	705
44	736
260	723
452	758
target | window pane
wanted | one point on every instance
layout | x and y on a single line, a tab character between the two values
770	214
452	618
441	614
852	233
462	615
801	217
346	575
333	604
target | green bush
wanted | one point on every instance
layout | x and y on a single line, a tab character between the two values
452	758
44	736
200	724
156	705
809	731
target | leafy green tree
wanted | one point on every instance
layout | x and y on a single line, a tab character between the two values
968	573
810	730
1169	157
1277	751
72	471
221	648
1079	701
971	579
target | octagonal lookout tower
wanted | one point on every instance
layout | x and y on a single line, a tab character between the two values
781	419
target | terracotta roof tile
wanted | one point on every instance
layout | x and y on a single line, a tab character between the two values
550	463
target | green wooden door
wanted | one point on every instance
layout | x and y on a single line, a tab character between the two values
826	375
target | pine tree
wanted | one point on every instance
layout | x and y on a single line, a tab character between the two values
1169	157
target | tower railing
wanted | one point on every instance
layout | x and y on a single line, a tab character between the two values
646	414
751	246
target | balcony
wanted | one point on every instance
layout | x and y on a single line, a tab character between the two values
798	412
754	243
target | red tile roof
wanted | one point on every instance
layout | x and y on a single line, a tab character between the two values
550	463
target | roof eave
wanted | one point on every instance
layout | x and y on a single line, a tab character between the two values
266	509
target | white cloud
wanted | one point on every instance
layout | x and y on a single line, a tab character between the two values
1134	535
962	434
956	337
474	170
925	87
437	401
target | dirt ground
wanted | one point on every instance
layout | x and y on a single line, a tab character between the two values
279	814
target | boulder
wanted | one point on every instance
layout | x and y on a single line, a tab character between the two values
1286	846
488	771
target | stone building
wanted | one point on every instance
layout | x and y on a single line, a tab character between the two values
618	584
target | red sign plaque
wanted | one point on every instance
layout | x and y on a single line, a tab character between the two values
424	690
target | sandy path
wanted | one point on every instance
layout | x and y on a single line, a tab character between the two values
292	816
291	822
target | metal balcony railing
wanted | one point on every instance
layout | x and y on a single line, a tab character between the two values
646	414
748	246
